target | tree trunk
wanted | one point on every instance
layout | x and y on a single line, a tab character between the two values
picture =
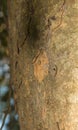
43	45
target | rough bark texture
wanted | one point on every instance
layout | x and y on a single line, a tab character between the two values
44	62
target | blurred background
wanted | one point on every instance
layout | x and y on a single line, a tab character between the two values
8	115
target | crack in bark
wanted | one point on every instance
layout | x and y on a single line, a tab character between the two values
30	13
58	125
54	18
28	32
16	63
18	50
36	57
20	84
62	8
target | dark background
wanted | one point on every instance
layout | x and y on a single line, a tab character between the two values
8	115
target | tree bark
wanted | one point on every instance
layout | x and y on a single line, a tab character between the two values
43	45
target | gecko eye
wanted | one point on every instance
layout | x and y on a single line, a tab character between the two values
54	68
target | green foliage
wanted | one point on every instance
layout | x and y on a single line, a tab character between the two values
3	36
1	21
3	26
3	4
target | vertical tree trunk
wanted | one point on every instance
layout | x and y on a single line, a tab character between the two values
43	44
